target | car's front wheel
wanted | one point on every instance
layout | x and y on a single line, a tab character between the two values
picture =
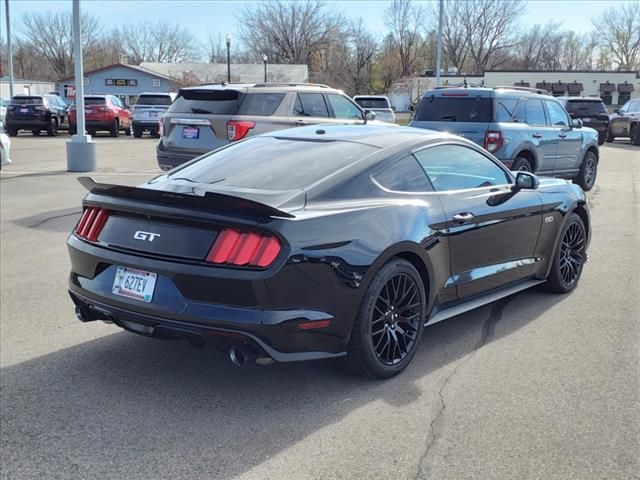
610	137
115	129
602	136
635	135
52	129
570	256
588	171
389	324
137	132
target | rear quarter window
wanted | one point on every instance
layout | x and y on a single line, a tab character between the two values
455	109
404	175
260	104
221	102
505	109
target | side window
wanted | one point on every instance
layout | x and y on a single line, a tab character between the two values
557	115
505	109
404	175
625	107
635	107
261	104
535	112
310	105
343	107
455	167
519	113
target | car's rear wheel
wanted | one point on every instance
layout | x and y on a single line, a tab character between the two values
390	322
12	132
137	132
602	136
570	256
127	131
52	129
588	171
155	134
521	164
73	130
35	132
115	129
635	135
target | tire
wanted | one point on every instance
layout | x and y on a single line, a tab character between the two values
73	130
610	137
127	131
602	137
52	129
569	257
92	133
155	134
634	134
12	132
137	132
115	129
522	164
36	133
588	172
380	355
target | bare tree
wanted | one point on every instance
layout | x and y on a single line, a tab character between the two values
620	32
159	42
535	46
50	35
405	20
214	47
289	32
489	27
454	36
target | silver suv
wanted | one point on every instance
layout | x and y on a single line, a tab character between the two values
625	122
206	117
148	111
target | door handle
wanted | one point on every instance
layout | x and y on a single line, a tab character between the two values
462	218
562	135
301	122
537	135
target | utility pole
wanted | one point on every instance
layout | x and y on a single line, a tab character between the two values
81	150
10	52
439	47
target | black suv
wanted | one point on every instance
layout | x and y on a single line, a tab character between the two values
36	113
591	111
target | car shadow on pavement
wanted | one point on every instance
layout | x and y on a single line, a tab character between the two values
123	406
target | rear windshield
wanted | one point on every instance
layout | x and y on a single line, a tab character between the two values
261	104
579	107
94	100
26	100
154	100
372	102
269	163
223	102
454	109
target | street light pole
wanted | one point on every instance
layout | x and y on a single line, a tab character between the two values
439	47
264	59
228	42
10	51
81	150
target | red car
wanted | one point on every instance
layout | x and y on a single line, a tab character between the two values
102	112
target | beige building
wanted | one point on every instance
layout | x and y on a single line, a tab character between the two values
615	88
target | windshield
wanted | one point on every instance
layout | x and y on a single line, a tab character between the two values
269	163
587	107
154	100
454	109
372	102
26	100
224	102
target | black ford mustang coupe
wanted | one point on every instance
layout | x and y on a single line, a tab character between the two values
318	242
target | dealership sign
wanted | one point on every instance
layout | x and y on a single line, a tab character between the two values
121	82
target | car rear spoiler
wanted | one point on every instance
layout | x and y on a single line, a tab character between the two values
210	200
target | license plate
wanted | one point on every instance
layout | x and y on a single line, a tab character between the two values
24	110
133	283
190	133
153	114
87	110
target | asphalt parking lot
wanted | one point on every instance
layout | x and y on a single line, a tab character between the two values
534	386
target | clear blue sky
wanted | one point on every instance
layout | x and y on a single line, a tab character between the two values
202	15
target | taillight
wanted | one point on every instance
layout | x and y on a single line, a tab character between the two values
103	109
91	223
233	247
238	130
493	140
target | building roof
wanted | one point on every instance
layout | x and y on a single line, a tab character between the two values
240	73
126	65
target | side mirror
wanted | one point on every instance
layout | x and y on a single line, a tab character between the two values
369	115
412	108
393	107
617	110
576	123
526	181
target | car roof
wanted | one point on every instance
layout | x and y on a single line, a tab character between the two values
380	136
266	87
581	99
488	91
372	96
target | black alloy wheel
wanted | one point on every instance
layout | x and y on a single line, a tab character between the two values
635	135
570	256
396	317
389	324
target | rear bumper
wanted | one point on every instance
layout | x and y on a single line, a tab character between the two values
273	331
620	128
168	159
145	124
42	124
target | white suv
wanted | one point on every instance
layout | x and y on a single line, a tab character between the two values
148	111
